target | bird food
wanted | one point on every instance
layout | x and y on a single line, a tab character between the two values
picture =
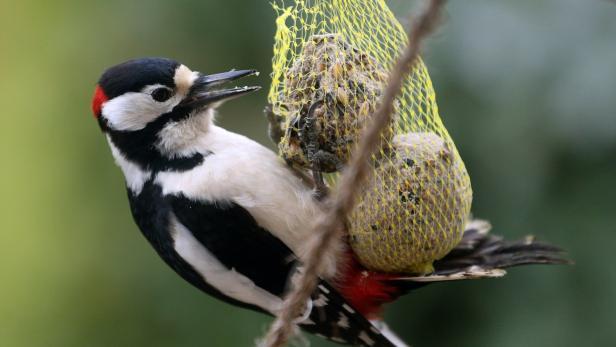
330	66
334	89
415	208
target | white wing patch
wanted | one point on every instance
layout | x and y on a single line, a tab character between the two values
242	171
228	281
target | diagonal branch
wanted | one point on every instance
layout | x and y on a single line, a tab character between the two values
328	229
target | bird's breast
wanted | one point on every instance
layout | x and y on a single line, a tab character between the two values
255	178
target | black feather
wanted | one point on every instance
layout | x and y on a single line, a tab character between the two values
489	251
483	255
327	321
230	233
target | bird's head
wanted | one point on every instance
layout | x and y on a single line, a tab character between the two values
150	108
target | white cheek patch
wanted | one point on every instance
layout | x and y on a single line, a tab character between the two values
131	111
134	110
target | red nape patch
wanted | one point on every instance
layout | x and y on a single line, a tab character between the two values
367	291
98	100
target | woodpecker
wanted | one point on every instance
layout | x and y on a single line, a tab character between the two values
231	218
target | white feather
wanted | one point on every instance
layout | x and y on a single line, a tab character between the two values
228	281
387	332
242	171
472	272
343	321
134	110
178	138
135	177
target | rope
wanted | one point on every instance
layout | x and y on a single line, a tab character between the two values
329	227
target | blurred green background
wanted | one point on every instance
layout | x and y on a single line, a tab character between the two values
526	88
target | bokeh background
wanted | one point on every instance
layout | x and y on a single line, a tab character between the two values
527	89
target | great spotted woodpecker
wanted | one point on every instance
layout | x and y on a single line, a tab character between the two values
232	219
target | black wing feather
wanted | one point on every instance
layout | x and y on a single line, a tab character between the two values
230	232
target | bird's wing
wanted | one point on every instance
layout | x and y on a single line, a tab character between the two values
241	259
228	235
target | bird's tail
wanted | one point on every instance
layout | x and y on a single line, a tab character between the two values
478	255
483	255
333	318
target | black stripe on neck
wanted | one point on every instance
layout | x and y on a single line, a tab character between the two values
139	146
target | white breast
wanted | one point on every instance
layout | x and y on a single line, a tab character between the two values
254	177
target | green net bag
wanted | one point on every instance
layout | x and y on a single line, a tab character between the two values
330	66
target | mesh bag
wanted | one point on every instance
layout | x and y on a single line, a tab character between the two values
330	66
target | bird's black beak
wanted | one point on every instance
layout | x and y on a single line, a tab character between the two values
203	91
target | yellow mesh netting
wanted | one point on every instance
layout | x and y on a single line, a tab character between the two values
330	66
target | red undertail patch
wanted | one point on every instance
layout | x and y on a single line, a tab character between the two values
366	290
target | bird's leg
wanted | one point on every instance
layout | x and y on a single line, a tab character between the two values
328	160
274	129
310	137
276	132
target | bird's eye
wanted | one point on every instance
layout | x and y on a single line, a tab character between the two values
161	94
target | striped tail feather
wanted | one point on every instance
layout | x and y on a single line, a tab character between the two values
333	318
341	314
483	255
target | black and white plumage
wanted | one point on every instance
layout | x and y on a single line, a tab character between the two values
232	219
220	209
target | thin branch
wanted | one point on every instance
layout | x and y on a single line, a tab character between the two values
329	228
